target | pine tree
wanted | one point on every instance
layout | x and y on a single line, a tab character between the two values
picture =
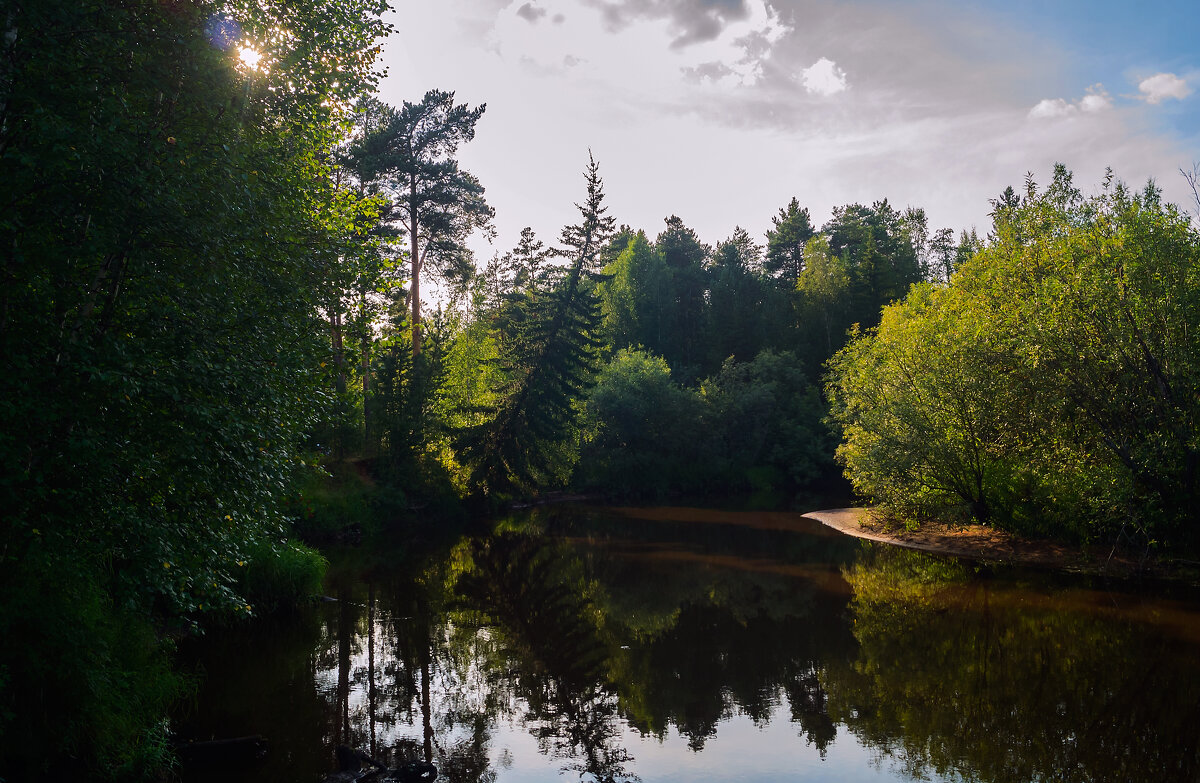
408	156
525	265
686	324
407	387
785	244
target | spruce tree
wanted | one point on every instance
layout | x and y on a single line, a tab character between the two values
549	350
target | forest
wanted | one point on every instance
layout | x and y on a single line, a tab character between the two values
219	340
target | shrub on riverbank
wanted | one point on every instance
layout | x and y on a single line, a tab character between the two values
333	503
84	684
1053	387
281	575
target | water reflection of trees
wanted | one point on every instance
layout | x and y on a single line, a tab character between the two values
402	677
580	636
537	594
684	642
986	681
577	645
709	621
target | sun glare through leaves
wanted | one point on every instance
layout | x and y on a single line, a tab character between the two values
249	57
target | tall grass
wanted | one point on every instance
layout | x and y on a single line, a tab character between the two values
279	576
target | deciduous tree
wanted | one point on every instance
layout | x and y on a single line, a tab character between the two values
169	217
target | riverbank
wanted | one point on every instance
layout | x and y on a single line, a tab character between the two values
980	542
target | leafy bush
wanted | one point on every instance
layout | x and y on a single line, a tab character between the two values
923	401
84	684
280	575
765	417
1052	387
755	426
644	430
329	505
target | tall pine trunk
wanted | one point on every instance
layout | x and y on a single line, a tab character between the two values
416	268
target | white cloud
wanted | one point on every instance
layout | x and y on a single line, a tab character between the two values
1051	107
944	126
1096	100
1162	86
824	77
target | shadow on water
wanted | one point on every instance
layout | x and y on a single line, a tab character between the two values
687	644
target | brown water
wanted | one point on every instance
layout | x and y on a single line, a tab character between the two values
696	645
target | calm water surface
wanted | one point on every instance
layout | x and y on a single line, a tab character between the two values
675	644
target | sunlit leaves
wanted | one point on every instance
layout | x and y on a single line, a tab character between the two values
1054	381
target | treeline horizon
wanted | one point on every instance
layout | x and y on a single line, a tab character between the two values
493	396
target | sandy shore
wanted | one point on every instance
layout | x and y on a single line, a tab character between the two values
985	543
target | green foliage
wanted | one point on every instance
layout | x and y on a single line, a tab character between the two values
160	306
527	264
96	673
472	375
785	259
280	575
333	501
753	426
738	301
169	227
405	403
877	249
824	293
691	305
685	315
1052	386
408	157
696	306
814	286
643	430
944	256
765	420
547	358
634	296
921	401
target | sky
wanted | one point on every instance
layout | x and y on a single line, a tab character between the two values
722	111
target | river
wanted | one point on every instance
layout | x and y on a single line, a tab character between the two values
672	644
